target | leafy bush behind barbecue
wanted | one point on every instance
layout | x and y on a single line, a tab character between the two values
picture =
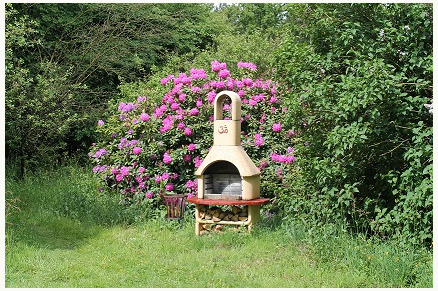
360	76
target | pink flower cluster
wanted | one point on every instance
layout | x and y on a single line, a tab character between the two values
285	159
126	107
121	173
125	143
144	117
198	162
100	152
198	74
258	140
250	66
192	184
165	177
136	150
188	131
224	73
167	124
216	66
276	127
99	168
167	159
191	147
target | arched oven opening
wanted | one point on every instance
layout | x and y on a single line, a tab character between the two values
222	180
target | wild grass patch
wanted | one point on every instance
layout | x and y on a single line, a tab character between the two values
47	246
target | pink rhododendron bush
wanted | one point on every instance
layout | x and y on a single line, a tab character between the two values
149	148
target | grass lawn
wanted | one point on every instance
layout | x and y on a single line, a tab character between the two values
155	256
51	246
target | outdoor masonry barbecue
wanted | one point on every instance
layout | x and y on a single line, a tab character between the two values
227	176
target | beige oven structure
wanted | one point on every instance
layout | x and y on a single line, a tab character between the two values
227	175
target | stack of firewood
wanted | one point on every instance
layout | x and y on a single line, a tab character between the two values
216	214
207	228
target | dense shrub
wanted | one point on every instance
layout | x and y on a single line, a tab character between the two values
149	148
360	76
64	61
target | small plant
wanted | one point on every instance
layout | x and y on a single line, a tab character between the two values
11	207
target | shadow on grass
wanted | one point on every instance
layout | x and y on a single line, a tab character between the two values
98	209
51	232
63	218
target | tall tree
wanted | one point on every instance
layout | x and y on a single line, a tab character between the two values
257	17
72	57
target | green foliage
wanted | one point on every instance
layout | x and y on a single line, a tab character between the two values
412	214
40	114
359	76
250	18
229	47
118	41
64	61
67	192
41	108
387	262
356	76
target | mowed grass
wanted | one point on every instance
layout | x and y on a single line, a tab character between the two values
52	243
